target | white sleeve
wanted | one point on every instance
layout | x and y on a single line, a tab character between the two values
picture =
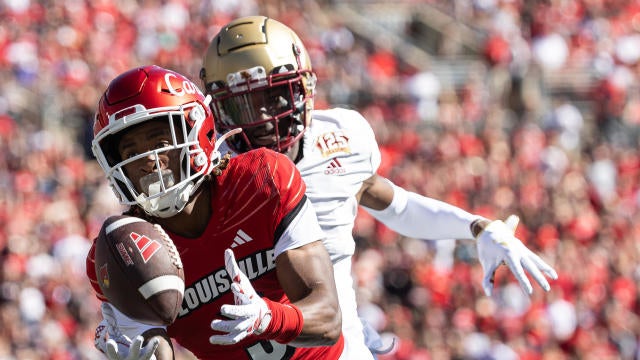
420	217
376	156
367	142
130	327
302	230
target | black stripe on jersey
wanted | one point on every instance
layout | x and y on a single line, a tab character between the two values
287	219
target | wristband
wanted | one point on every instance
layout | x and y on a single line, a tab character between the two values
478	225
286	322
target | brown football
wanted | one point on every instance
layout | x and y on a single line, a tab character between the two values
139	270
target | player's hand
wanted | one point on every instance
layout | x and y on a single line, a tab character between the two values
497	245
249	315
117	346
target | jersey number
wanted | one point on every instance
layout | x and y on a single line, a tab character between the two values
270	350
333	142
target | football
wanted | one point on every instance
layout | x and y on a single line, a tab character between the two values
139	270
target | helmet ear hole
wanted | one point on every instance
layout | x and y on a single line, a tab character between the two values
200	160
197	114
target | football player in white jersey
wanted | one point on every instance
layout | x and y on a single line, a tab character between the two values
259	74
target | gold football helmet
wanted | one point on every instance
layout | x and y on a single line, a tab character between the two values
259	74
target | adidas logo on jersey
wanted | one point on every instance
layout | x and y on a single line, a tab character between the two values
334	168
241	238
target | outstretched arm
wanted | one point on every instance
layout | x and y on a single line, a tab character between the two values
420	217
414	215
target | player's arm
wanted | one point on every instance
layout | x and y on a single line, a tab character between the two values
303	265
304	272
414	215
306	275
420	217
312	319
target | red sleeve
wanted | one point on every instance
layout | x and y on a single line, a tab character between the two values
91	272
288	180
261	184
291	188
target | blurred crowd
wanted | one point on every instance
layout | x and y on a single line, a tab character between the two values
500	143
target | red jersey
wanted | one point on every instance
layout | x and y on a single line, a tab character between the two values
253	202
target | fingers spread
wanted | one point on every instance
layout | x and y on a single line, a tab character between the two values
543	266
518	272
531	267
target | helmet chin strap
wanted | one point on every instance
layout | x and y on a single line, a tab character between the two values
162	207
167	206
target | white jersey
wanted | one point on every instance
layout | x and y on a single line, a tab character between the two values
339	153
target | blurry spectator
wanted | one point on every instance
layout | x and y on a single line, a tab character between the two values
425	88
550	51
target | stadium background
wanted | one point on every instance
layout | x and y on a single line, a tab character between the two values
498	106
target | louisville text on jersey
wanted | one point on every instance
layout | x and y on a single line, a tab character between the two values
212	286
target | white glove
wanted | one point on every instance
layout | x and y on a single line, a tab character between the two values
117	346
497	245
249	315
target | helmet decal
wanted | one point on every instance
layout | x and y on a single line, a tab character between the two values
187	86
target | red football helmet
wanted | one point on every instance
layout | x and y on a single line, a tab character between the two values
259	74
153	93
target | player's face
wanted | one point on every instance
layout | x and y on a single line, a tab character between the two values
154	138
260	111
258	105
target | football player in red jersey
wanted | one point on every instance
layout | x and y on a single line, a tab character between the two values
156	142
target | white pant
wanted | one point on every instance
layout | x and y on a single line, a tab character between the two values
354	344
